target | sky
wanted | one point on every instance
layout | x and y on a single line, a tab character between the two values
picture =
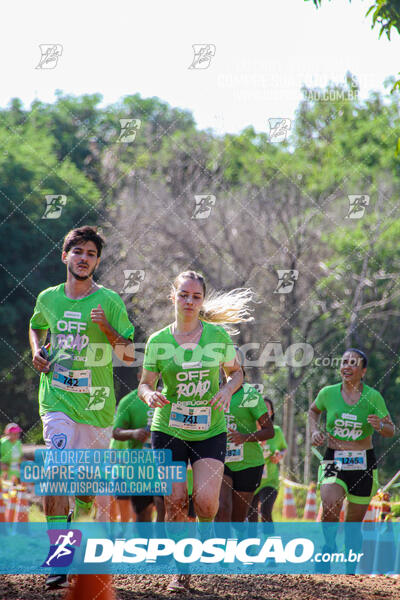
264	52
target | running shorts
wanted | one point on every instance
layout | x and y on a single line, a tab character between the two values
213	447
246	480
359	485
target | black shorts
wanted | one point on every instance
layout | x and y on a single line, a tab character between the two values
182	450
358	484
246	480
139	503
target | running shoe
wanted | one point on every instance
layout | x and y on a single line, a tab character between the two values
179	583
56	581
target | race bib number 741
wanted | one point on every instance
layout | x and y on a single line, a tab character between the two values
187	417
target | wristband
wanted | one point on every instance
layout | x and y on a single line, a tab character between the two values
381	427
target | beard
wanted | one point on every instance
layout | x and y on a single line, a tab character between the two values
81	277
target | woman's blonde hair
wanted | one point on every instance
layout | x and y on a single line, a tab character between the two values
221	308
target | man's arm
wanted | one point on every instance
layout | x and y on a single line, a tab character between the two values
141	435
36	338
123	347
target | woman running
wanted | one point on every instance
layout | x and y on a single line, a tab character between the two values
274	450
244	461
189	418
353	412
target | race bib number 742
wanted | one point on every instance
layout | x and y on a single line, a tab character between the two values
78	382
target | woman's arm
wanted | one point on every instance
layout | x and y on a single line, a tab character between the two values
147	392
234	374
383	426
317	436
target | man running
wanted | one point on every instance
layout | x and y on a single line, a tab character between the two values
86	322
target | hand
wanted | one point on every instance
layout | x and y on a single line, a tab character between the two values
98	316
222	400
41	364
375	421
156	399
276	457
141	435
317	438
235	437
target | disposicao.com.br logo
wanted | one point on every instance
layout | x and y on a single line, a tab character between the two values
192	550
62	547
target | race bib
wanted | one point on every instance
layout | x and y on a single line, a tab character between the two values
78	382
188	417
351	460
234	453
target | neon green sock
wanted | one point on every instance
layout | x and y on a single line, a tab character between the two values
205	519
82	509
56	521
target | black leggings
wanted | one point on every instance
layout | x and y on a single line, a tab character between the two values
266	497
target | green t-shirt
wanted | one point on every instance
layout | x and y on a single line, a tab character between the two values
81	354
132	413
247	406
191	380
270	476
349	422
119	445
11	454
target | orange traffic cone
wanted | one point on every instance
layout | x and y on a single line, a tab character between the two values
342	515
11	505
22	510
289	507
2	505
385	511
310	509
370	515
99	587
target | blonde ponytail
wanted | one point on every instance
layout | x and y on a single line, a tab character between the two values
228	307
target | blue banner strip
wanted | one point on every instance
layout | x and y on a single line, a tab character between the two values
202	548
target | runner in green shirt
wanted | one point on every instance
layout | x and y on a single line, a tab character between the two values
86	322
267	492
132	426
353	412
189	416
11	452
244	459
